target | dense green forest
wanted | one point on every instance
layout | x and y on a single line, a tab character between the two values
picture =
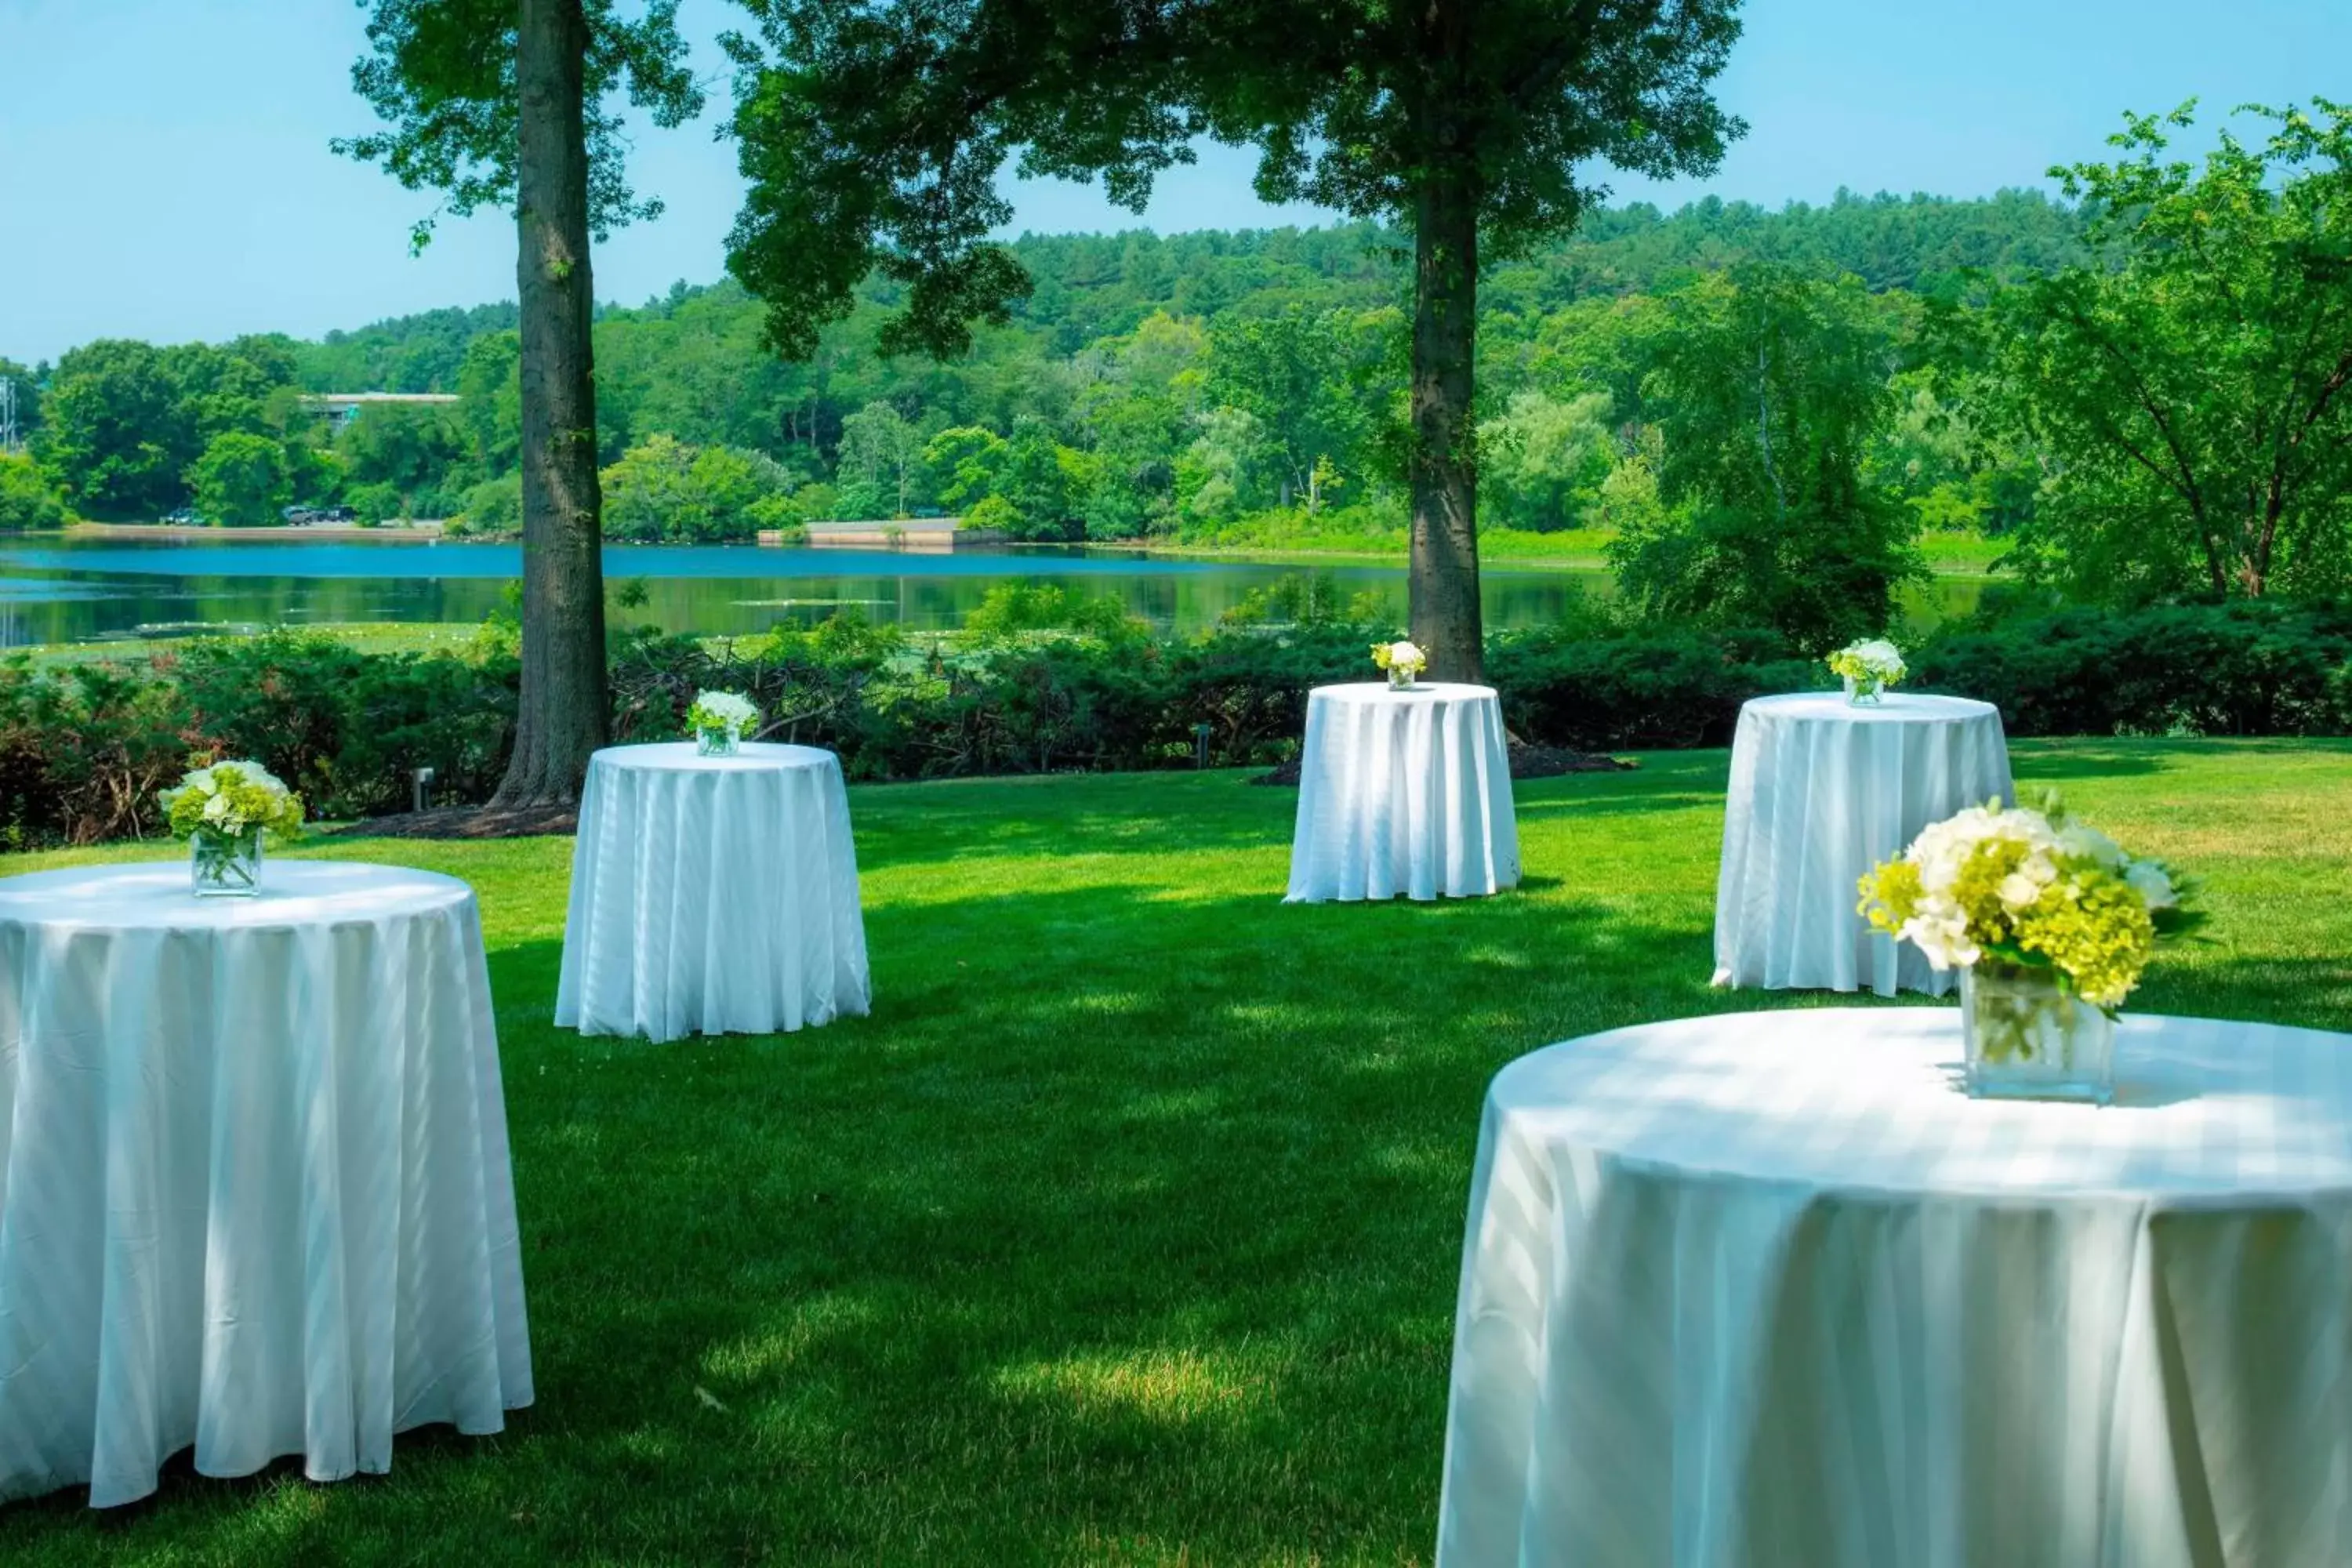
1756	414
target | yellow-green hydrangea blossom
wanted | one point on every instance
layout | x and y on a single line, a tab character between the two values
233	799
2035	889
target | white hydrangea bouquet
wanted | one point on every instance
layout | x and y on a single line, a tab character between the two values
1402	661
2050	923
1868	668
718	720
223	812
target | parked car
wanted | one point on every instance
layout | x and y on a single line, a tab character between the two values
186	517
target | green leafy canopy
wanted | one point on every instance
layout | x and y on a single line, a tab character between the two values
441	74
873	134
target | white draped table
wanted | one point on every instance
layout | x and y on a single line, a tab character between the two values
712	894
254	1184
1820	792
1404	792
1764	1290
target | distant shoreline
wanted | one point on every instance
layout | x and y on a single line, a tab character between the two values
409	533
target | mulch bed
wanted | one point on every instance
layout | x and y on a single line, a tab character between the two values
1528	762
466	822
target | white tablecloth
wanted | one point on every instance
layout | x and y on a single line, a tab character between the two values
712	894
1404	792
1820	792
254	1184
1764	1291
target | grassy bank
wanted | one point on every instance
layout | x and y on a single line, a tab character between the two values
1126	1230
1568	549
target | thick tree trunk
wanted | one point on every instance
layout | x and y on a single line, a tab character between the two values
1444	471
564	712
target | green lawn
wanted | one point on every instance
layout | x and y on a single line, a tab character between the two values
1125	1229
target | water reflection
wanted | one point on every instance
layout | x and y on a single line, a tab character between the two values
58	590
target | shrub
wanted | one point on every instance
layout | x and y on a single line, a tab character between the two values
2247	667
492	507
1047	680
1640	689
27	500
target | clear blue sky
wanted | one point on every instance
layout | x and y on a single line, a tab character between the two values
165	172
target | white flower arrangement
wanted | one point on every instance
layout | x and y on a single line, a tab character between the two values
2032	888
1402	659
1873	661
725	711
229	800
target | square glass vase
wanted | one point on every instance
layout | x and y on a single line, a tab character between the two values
719	741
2027	1038
1864	690
1401	680
224	865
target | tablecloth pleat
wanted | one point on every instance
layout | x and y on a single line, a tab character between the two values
1819	792
1403	793
254	1188
712	895
1763	1289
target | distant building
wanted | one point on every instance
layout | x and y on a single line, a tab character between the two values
923	534
342	407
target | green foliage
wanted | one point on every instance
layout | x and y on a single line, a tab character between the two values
965	463
240	480
1543	463
1768	389
345	727
441	74
1304	599
125	423
2186	393
374	504
1107	360
994	512
27	500
1302	378
493	507
873	138
408	446
86	751
882	454
666	491
2245	668
1010	609
1049	680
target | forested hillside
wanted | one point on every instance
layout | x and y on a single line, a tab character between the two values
1095	285
1756	415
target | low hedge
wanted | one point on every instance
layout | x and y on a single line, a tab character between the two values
84	748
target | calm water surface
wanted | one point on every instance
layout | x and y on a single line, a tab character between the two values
55	589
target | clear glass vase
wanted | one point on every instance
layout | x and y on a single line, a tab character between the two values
1864	690
224	865
717	742
2027	1038
1401	680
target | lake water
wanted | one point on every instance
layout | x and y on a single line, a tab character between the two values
55	589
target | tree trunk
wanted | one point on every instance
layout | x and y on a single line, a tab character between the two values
1443	586
565	712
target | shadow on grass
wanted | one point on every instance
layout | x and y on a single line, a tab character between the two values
1126	1228
2043	758
2305	992
1136	1220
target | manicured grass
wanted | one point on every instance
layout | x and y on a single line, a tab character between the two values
1126	1230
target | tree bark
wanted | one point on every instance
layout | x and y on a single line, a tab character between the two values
1442	584
564	712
